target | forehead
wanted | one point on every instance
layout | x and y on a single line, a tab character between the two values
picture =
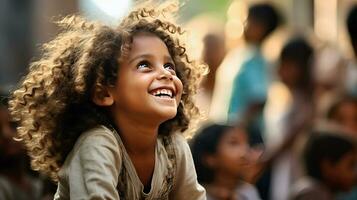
147	42
235	133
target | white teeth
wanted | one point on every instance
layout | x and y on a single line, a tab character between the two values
162	91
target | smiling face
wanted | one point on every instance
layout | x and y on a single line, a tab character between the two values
147	86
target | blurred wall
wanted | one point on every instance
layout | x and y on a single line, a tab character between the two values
46	11
24	24
16	44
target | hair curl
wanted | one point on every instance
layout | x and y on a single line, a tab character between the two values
53	105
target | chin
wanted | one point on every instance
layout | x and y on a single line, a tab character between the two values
167	114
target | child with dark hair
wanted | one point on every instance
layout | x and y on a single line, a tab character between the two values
221	157
330	162
344	112
295	71
262	20
250	85
102	111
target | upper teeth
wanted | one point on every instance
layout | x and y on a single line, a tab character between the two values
162	91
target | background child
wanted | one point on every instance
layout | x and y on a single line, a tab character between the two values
99	110
250	84
295	72
16	182
344	112
330	161
221	158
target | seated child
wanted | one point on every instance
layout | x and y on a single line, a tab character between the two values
103	109
330	162
221	157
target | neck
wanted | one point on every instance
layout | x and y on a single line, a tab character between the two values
223	187
139	137
225	181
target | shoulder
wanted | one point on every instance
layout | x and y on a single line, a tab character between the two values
92	169
98	143
307	188
254	64
247	191
181	146
99	136
185	180
178	139
176	145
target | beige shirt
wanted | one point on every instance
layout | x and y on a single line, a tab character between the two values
92	168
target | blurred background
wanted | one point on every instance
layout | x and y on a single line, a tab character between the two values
309	77
26	24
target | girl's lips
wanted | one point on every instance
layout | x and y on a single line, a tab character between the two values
166	90
163	92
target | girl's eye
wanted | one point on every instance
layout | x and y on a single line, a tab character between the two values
143	64
170	66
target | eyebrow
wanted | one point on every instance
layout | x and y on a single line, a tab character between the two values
166	57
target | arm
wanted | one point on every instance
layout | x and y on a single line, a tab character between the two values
186	185
299	127
94	170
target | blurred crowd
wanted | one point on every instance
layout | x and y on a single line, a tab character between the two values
287	131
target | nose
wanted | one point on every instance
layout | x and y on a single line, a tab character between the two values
164	73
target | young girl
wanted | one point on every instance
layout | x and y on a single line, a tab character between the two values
99	111
222	161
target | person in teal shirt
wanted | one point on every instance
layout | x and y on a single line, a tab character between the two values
249	94
249	91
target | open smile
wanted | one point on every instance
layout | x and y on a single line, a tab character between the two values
165	93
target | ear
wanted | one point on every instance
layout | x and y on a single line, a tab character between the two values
102	96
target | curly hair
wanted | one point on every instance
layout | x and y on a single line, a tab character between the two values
53	104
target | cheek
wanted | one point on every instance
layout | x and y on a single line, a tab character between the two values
231	153
179	88
225	161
